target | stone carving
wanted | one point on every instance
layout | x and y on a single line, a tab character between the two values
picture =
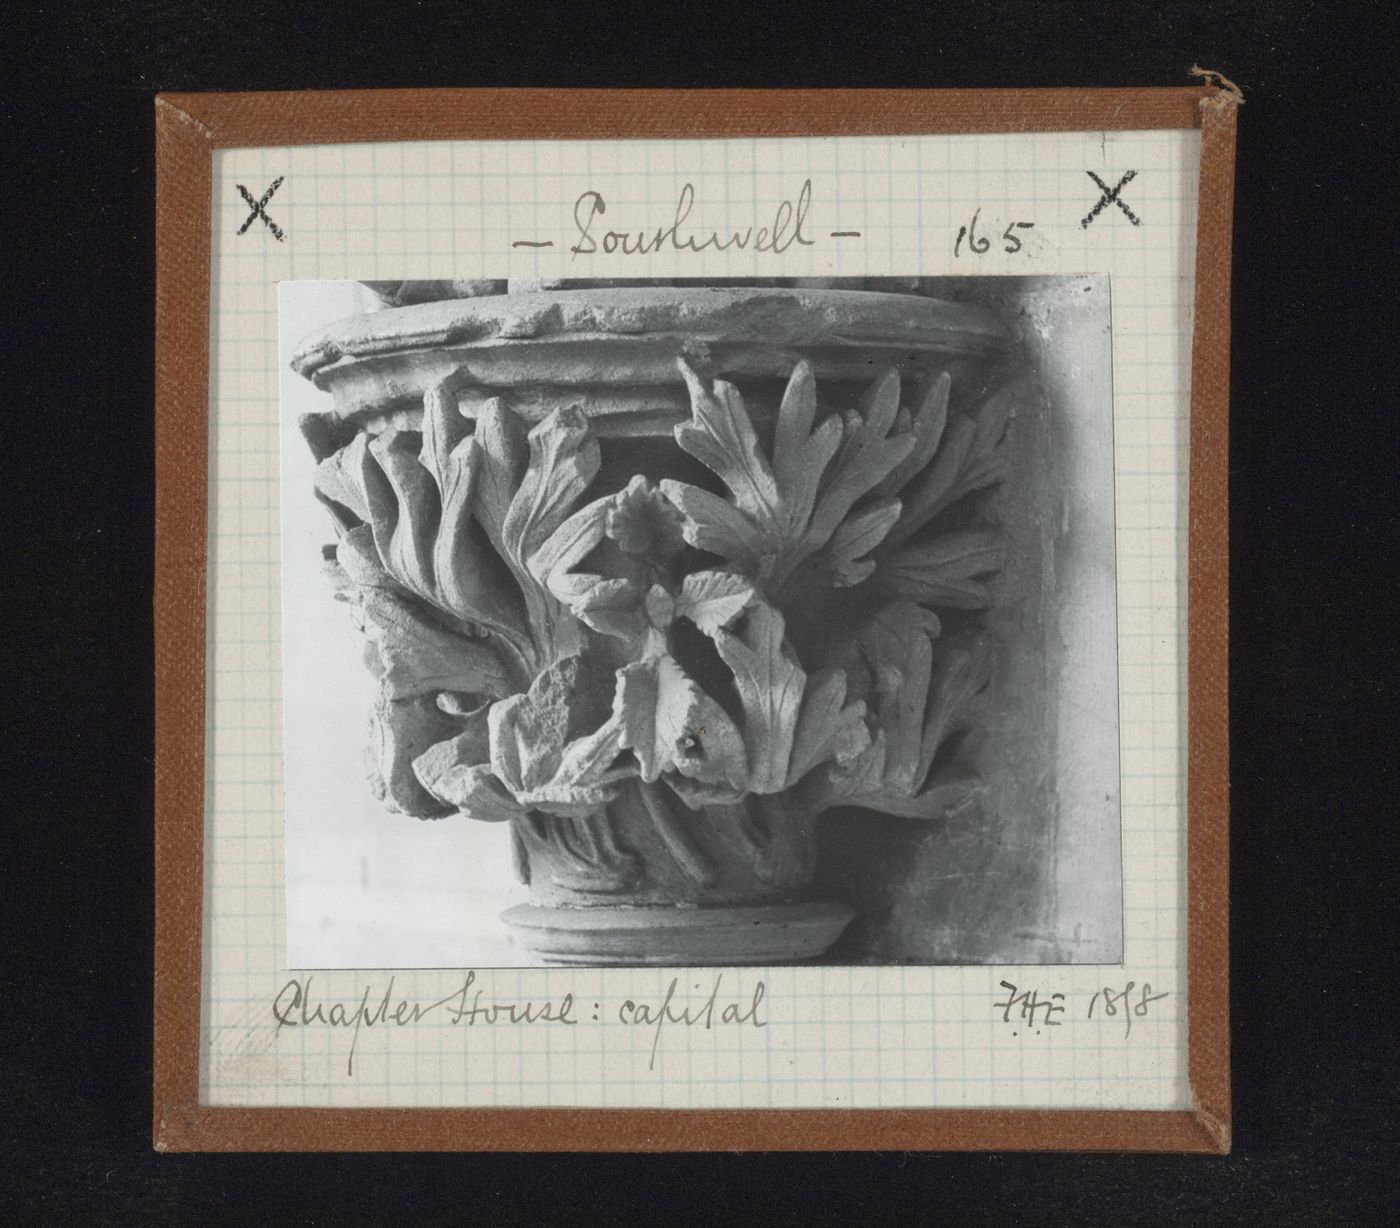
656	578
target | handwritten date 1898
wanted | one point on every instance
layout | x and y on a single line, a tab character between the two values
1032	1010
1126	1001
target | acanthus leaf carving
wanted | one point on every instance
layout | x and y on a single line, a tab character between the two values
458	773
416	653
521	511
674	727
770	683
786	513
543	756
400	731
947	572
584	855
968	458
482	583
919	700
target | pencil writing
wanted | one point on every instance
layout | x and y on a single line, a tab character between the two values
297	1006
787	228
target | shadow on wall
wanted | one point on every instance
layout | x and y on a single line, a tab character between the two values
1030	872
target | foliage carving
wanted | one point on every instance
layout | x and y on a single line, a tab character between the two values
543	645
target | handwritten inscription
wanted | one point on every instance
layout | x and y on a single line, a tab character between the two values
700	1017
1032	1010
787	228
702	1007
1125	1002
980	244
298	1005
1028	1006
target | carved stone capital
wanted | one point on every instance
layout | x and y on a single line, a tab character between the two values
655	577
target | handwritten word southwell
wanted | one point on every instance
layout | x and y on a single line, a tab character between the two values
787	228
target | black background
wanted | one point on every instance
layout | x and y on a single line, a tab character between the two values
1313	455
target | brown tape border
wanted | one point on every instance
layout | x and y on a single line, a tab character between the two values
189	127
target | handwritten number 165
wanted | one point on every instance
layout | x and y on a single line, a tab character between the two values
980	244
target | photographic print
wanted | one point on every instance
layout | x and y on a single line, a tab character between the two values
681	623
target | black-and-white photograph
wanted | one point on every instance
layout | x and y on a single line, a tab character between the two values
700	622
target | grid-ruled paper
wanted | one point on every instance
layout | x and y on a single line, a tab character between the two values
905	1036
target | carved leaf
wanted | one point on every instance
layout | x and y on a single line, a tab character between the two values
945	572
569	543
612	607
713	599
464	571
611	604
521	521
500	435
918	704
770	683
856	538
340	477
512	757
419	658
828	727
722	438
786	513
717	526
456	771
537	750
404	509
585	772
863	777
969	458
400	731
671	724
641	592
564	459
415	495
474	790
959	679
927	424
801	454
359	558
444	429
868	454
645	524
898	647
790	723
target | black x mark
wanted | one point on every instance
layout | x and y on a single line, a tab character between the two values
1109	197
259	209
